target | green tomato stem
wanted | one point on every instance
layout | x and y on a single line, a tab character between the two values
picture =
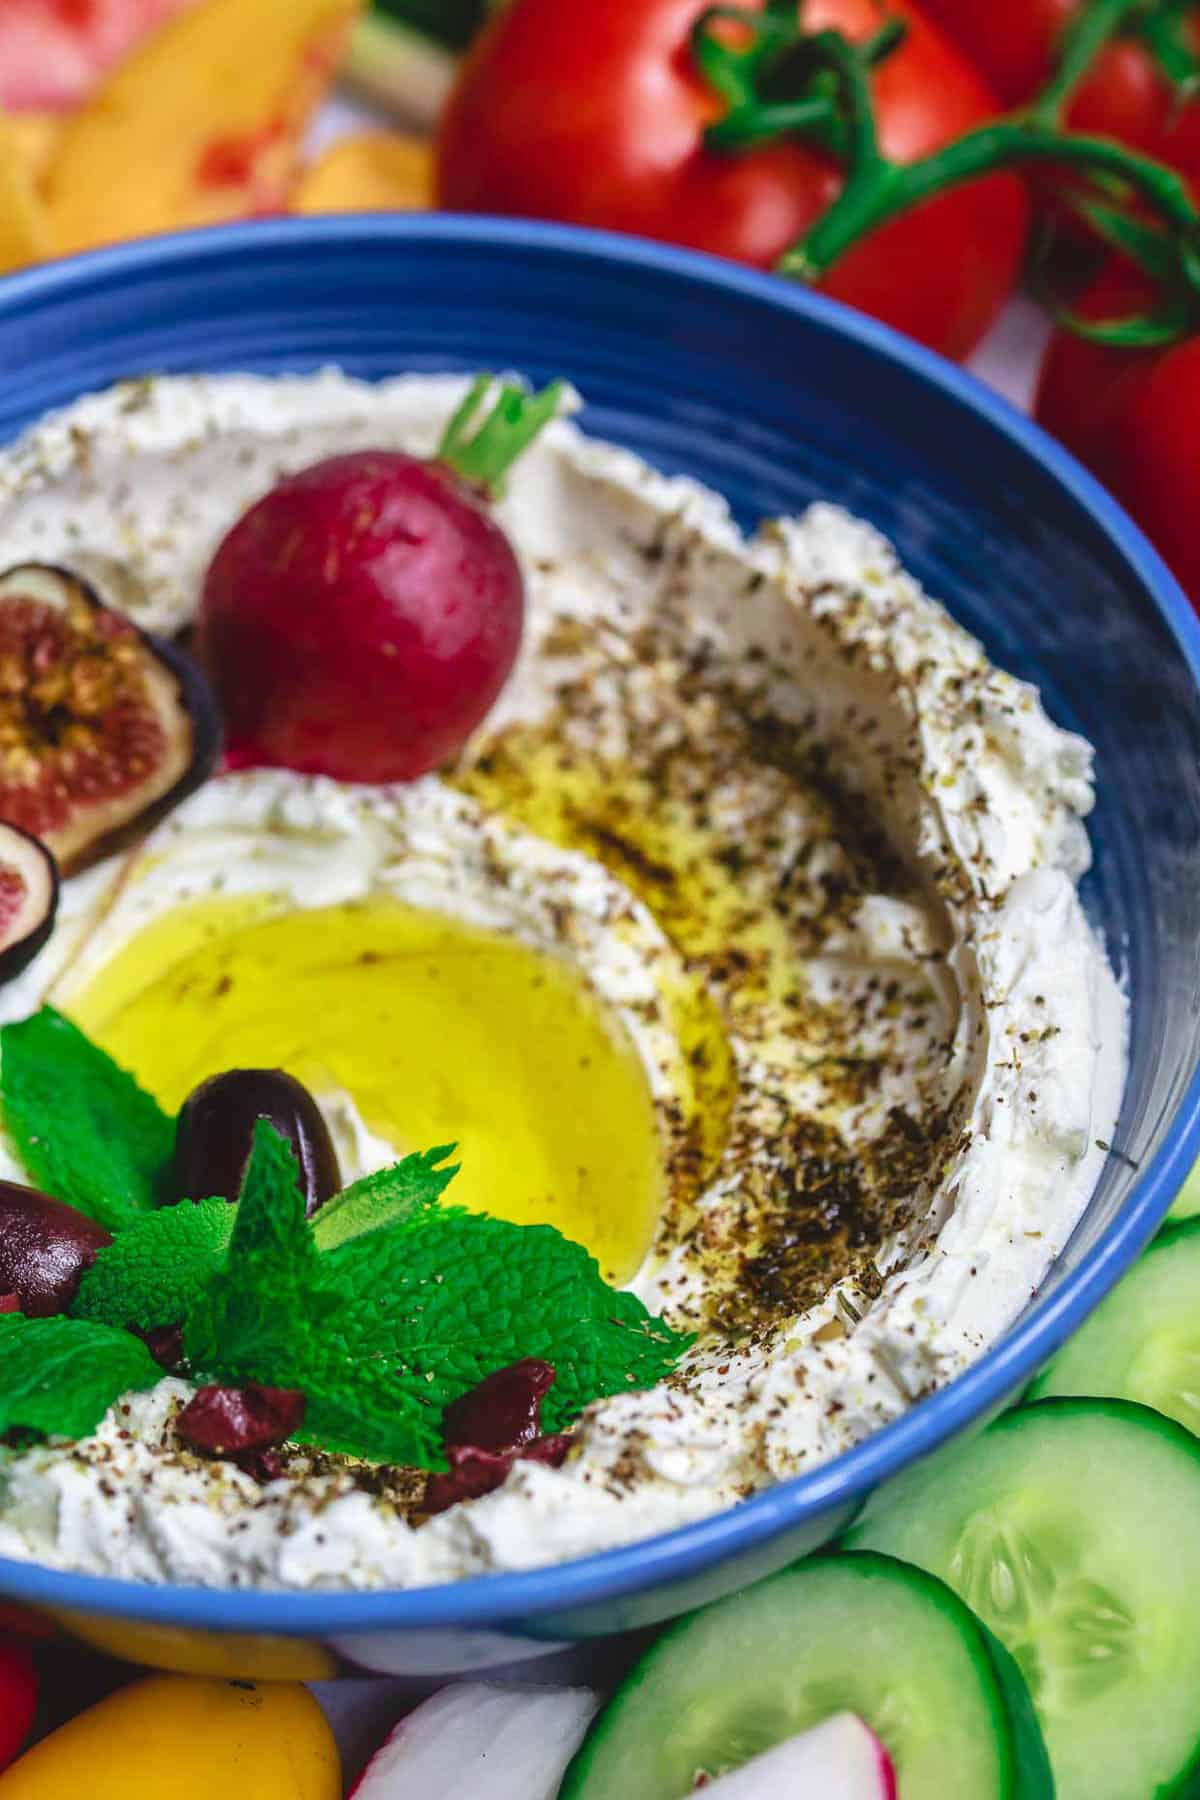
1094	26
1171	47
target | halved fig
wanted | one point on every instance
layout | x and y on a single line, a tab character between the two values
28	898
101	726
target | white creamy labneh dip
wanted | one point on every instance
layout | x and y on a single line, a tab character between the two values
919	1111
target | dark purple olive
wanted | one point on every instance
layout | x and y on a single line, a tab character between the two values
220	1420
504	1412
216	1129
45	1247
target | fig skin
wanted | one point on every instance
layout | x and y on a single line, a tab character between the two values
215	1131
30	916
361	619
46	1247
173	752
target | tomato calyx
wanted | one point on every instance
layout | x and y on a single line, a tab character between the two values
773	77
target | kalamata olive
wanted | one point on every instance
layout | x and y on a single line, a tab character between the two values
45	1247
503	1412
221	1421
216	1129
492	1426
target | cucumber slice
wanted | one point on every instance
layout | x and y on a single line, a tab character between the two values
862	1634
1073	1529
1187	1200
1143	1341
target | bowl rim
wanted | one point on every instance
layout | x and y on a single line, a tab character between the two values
685	1552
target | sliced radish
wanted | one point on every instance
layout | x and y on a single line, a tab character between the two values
28	898
840	1759
481	1742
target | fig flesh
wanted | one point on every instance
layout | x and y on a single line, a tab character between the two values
215	1131
101	727
45	1248
28	899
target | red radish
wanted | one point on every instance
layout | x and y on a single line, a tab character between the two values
361	619
840	1759
54	52
481	1742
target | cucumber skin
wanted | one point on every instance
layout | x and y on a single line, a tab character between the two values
1168	1234
1185	1783
1031	1777
1031	1759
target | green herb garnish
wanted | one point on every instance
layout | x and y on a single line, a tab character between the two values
384	1310
60	1376
86	1132
389	1197
384	1331
155	1272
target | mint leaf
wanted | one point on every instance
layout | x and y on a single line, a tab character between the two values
268	1315
384	1330
60	1376
389	1197
84	1129
259	1301
157	1270
454	1297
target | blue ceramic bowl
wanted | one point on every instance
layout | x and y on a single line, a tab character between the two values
772	396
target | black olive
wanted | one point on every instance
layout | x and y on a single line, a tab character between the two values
216	1129
45	1247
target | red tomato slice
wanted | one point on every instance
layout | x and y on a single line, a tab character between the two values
54	52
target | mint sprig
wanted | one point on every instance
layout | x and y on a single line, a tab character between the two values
384	1310
391	1196
60	1376
455	1296
156	1271
384	1331
85	1130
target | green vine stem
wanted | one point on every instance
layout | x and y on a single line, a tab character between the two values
1094	26
776	78
1162	31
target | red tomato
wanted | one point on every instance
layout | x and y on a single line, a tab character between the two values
1133	416
595	114
18	1692
1125	94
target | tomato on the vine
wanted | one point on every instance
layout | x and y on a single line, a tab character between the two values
1133	416
596	115
1126	93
